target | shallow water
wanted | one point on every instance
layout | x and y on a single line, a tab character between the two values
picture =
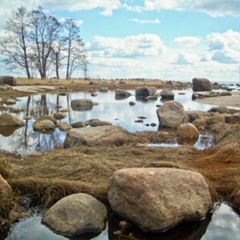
25	141
222	224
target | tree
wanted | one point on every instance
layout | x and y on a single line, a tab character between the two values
44	31
37	42
14	45
57	57
76	54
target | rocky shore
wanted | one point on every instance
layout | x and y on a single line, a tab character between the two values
93	168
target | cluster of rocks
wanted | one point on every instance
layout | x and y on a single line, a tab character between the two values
154	199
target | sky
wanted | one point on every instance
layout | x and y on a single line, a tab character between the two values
151	39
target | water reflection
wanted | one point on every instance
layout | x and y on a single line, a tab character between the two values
118	112
222	224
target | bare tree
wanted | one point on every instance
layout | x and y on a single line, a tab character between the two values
44	31
76	55
57	57
14	45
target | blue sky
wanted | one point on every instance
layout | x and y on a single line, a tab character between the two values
155	39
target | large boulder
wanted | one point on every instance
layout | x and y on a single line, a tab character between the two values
201	84
145	91
157	199
171	114
9	80
76	214
9	120
97	136
82	104
187	133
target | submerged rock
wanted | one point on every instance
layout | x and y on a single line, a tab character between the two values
82	104
157	199
9	120
76	214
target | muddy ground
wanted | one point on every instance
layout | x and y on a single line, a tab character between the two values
54	174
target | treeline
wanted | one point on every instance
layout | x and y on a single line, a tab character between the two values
38	43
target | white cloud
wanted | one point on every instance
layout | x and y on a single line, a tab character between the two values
107	6
224	47
129	47
188	41
184	58
142	21
211	7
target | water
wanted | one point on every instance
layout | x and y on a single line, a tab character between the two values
25	141
222	224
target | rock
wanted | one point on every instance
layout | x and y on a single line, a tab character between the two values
153	97
81	104
219	109
43	125
92	83
8	80
78	124
132	103
195	96
97	122
76	214
9	120
121	94
122	82
64	126
97	136
157	199
103	89
201	84
145	91
94	94
10	101
193	115
232	119
167	94
171	114
225	94
187	133
47	117
59	116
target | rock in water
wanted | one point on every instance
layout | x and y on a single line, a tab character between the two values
157	199
76	214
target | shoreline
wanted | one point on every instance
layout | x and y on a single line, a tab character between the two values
232	101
